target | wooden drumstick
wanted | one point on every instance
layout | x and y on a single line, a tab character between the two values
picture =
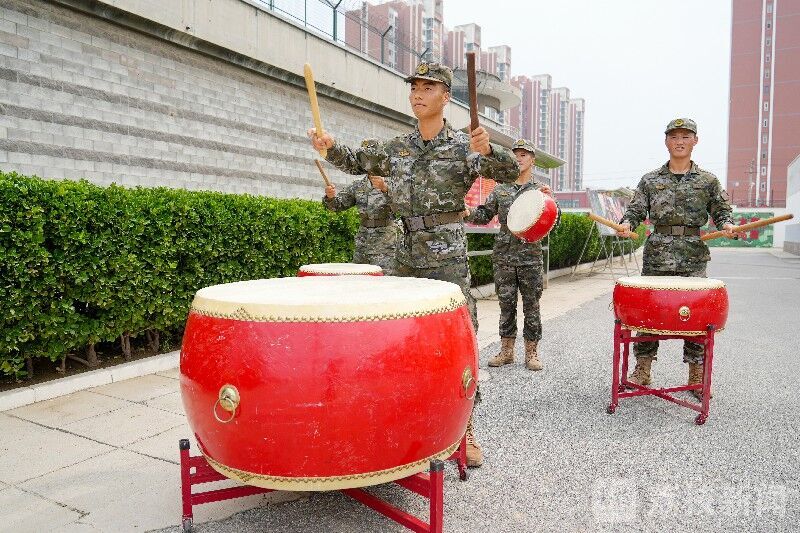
610	224
472	87
322	171
312	96
748	227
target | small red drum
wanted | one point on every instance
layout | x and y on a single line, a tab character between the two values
328	382
671	304
532	215
340	269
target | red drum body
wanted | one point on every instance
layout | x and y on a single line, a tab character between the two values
532	215
671	304
340	269
328	382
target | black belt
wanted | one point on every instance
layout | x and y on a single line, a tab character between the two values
679	231
375	222
424	222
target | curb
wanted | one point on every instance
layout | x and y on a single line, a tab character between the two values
86	380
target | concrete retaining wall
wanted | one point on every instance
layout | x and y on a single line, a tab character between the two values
202	95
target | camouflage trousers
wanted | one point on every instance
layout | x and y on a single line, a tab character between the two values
456	272
385	261
693	352
526	280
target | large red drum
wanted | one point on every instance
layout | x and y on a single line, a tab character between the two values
532	215
671	304
328	382
340	269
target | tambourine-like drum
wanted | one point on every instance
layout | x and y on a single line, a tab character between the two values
532	215
671	304
340	269
328	382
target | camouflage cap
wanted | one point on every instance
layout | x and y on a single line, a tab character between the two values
433	72
524	144
682	123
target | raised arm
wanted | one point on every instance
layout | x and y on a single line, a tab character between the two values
340	201
484	213
370	158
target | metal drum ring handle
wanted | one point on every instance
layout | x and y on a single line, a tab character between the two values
229	400
684	312
466	381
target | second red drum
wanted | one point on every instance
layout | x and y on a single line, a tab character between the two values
671	304
340	269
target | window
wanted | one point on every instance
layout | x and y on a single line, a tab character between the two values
766	74
766	106
769	57
763	155
766	122
766	88
769	8
764	139
769	41
769	25
763	171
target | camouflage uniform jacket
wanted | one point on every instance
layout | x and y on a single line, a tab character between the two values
671	200
372	206
427	178
508	249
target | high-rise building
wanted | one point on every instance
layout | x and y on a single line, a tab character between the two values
764	118
391	32
575	159
433	29
554	123
531	117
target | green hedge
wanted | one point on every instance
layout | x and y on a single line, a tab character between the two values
566	243
82	264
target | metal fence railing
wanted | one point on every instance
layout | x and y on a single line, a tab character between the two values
356	25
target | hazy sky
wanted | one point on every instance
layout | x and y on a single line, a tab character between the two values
637	63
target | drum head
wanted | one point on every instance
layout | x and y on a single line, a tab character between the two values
525	211
340	269
328	299
679	283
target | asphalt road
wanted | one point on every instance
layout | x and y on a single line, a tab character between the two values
555	461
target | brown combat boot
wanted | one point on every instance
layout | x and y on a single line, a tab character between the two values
696	378
532	361
641	374
474	453
506	355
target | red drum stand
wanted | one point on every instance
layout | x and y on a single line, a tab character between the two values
619	383
195	470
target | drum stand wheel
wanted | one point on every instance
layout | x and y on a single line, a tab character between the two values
622	388
429	485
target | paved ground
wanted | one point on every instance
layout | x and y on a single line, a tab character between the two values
105	459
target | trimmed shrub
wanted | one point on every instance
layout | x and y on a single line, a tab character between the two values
82	264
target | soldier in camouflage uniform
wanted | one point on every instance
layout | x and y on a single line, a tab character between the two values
426	175
678	198
376	238
517	264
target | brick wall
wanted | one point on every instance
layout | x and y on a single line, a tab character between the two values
81	97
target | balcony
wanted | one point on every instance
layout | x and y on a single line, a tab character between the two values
492	92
